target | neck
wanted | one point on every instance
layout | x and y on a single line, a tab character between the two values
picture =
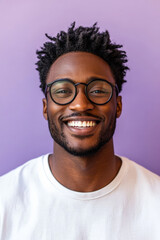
85	174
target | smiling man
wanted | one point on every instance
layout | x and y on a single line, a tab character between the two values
82	191
81	107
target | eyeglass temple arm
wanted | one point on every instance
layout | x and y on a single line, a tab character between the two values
117	89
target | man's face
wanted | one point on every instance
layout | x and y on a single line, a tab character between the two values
96	123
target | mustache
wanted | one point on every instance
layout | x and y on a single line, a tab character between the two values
76	114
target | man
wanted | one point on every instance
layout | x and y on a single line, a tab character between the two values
82	190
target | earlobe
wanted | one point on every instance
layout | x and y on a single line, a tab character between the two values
119	106
45	108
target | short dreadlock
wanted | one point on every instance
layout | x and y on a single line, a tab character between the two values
84	39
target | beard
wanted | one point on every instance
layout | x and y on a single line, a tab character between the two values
104	137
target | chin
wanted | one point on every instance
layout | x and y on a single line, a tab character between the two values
80	151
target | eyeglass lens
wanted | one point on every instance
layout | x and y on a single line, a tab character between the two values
97	91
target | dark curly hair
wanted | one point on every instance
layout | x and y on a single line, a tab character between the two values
84	39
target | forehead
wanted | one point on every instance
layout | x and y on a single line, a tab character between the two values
80	67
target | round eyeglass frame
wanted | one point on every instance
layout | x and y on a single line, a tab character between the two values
49	85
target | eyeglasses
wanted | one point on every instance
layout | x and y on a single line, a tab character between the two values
97	91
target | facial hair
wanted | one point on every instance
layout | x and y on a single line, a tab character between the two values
60	138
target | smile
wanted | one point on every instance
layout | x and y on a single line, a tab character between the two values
82	124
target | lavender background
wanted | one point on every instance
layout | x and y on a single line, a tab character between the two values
23	131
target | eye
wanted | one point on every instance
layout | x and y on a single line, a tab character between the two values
98	91
62	92
101	92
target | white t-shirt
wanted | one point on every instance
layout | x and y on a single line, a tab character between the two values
35	206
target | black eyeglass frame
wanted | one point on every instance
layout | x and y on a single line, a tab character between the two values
75	85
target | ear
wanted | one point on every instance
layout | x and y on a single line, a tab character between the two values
45	108
119	106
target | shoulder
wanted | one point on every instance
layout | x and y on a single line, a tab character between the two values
13	182
141	177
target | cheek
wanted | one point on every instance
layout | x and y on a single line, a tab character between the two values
54	110
108	111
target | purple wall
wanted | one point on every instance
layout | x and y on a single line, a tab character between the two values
135	24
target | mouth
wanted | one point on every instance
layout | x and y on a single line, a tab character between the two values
81	126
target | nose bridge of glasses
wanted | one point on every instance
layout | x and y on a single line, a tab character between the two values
83	89
81	83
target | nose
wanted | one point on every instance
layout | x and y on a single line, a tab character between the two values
81	102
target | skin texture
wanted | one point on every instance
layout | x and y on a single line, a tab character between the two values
83	159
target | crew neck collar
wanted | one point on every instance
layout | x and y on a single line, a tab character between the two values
84	195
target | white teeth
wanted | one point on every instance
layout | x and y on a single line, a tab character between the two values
84	124
81	124
87	124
